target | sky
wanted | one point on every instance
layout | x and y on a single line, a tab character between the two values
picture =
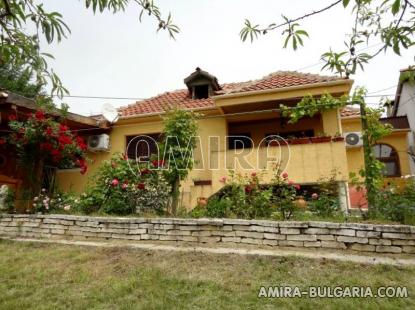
114	55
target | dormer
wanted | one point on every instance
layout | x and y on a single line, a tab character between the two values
201	84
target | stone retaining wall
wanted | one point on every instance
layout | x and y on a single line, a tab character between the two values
358	237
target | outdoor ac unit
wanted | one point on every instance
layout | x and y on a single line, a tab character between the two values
353	139
98	143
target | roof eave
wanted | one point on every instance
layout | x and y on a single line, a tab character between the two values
284	89
140	116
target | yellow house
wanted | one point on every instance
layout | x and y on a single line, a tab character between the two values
237	124
392	150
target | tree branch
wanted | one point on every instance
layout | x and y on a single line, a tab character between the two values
396	27
8	10
304	16
410	4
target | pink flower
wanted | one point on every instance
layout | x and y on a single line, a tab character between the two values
314	196
291	182
285	175
114	182
124	185
222	180
297	187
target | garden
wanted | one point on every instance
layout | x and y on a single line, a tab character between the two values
123	186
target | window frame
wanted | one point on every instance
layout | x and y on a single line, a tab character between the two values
390	159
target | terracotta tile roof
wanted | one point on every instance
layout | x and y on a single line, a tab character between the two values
163	102
180	98
282	79
349	112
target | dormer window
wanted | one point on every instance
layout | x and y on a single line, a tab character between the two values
201	91
201	84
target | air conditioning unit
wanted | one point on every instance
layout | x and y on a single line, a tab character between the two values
353	139
97	143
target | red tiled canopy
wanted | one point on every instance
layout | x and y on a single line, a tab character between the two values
181	99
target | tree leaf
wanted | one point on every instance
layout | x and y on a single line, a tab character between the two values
396	6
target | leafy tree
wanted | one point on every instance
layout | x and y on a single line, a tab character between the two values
389	22
18	81
180	130
19	46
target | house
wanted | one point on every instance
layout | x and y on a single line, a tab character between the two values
11	173
235	115
392	150
404	105
237	124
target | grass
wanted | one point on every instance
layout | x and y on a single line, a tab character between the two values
47	276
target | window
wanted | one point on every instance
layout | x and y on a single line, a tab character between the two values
239	141
388	155
142	146
201	91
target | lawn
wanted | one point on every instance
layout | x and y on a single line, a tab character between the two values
47	276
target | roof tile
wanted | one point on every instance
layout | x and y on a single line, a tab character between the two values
181	99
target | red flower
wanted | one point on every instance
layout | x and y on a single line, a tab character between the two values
253	174
12	117
248	189
81	143
285	175
84	169
114	182
39	115
145	171
63	128
2	141
55	153
141	186
49	131
64	140
46	146
158	163
297	187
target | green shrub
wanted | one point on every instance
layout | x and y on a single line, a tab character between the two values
284	192
324	205
245	196
122	186
397	205
218	208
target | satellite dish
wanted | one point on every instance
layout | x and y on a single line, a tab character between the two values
110	113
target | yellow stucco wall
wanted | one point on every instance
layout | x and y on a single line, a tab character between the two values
397	139
308	163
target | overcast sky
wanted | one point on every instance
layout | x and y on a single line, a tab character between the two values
117	56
